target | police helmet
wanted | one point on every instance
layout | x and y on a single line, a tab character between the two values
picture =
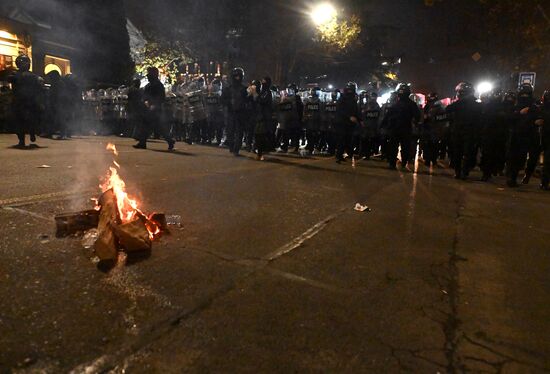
509	97
464	89
315	91
403	90
23	62
351	88
152	72
432	97
237	74
216	85
525	90
291	89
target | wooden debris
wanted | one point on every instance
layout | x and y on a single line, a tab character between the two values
106	244
72	223
133	236
159	219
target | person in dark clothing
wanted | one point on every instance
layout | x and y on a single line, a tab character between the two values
264	110
370	118
70	100
235	98
312	118
545	122
494	135
328	124
524	137
27	94
465	118
295	127
398	126
54	105
136	108
433	130
534	141
153	98
347	113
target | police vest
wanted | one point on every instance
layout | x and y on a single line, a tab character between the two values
372	114
330	107
212	100
286	107
313	107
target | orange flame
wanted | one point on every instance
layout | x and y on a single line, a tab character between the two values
112	147
127	206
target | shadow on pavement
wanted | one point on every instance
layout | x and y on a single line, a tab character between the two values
174	152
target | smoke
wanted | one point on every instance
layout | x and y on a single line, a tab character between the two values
91	34
90	163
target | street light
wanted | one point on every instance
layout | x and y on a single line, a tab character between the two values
323	13
484	87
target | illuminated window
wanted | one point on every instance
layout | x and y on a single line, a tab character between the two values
52	67
62	65
11	46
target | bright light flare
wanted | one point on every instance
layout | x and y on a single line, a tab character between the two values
323	13
383	99
484	87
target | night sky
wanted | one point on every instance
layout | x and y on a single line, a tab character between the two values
436	43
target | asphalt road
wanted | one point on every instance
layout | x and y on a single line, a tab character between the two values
272	270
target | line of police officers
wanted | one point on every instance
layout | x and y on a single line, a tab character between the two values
509	130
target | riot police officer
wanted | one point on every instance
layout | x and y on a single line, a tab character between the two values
433	130
214	110
264	107
27	94
135	108
465	119
328	139
197	111
347	113
524	137
312	119
154	96
290	111
235	98
494	135
398	124
534	144
370	116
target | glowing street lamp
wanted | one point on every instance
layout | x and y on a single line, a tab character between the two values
323	13
484	87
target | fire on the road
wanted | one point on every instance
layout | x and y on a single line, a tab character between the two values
127	205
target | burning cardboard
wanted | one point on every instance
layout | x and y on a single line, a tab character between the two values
106	244
120	224
133	236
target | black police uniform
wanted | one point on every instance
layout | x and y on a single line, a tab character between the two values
27	95
496	117
235	98
397	123
346	108
465	118
153	97
433	132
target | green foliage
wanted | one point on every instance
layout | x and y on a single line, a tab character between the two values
340	33
166	56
